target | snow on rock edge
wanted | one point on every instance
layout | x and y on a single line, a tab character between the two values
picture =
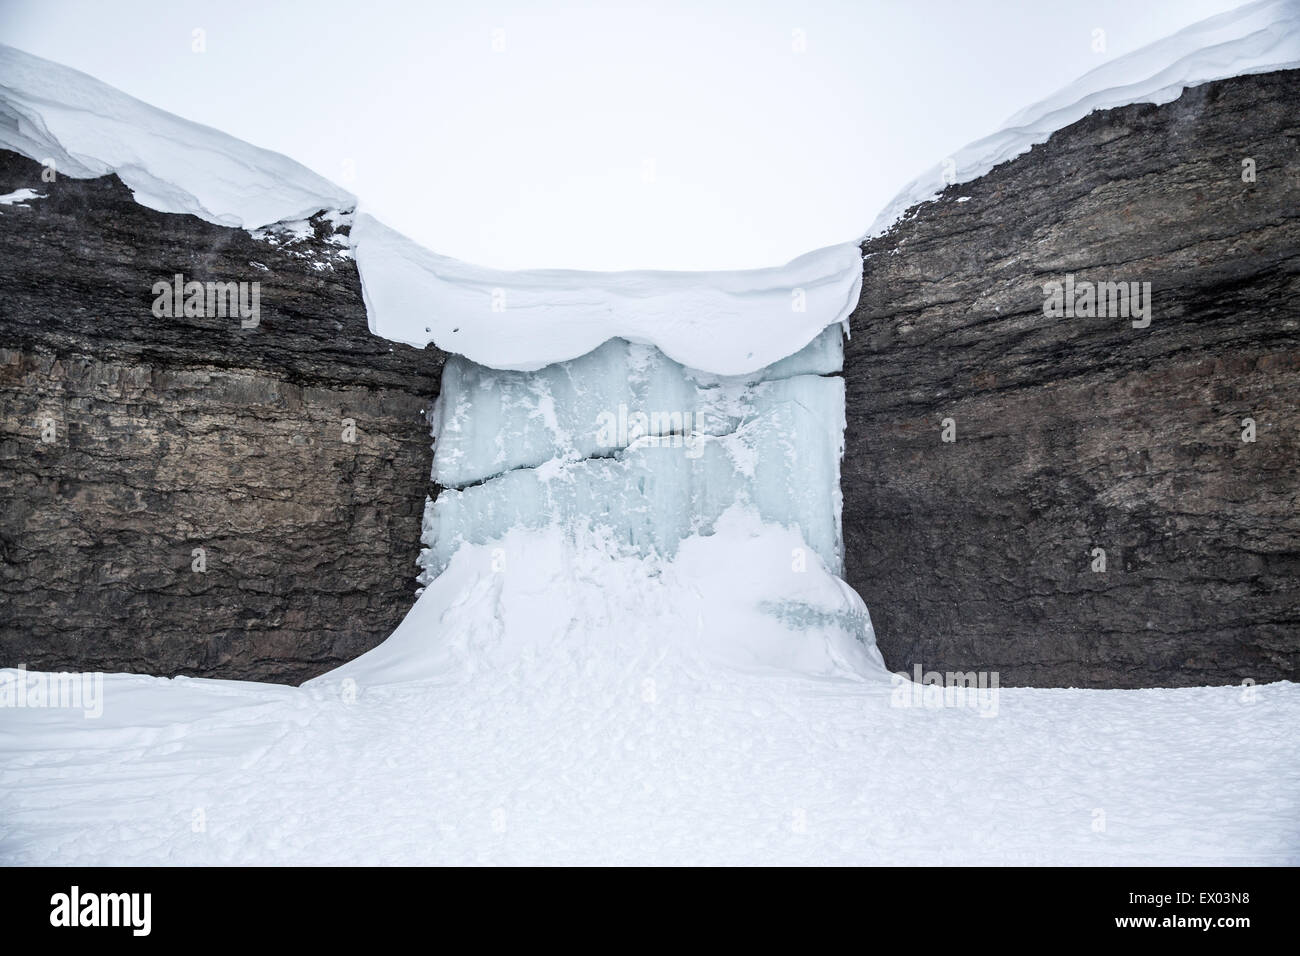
720	322
52	112
727	323
1255	38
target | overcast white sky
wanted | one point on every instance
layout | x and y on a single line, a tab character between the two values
690	135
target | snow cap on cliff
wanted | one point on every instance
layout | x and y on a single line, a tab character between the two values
728	323
1255	38
722	322
88	128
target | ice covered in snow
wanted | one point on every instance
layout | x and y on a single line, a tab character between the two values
88	128
488	421
728	323
1254	38
626	440
784	464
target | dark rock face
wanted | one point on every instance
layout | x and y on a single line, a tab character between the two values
135	449
1080	433
128	441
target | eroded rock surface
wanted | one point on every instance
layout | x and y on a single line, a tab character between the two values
128	441
1080	433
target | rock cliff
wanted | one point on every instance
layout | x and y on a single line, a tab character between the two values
1090	441
1056	491
184	494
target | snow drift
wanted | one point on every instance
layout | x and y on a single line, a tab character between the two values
739	596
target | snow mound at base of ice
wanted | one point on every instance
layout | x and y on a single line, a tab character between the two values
727	323
750	595
88	128
1255	38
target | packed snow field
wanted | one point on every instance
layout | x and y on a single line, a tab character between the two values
567	705
720	767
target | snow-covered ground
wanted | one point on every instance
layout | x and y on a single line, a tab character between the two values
564	760
548	703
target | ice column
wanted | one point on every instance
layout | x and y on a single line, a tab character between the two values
625	441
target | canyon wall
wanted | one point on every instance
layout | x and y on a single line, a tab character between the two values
184	494
1064	499
1096	518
